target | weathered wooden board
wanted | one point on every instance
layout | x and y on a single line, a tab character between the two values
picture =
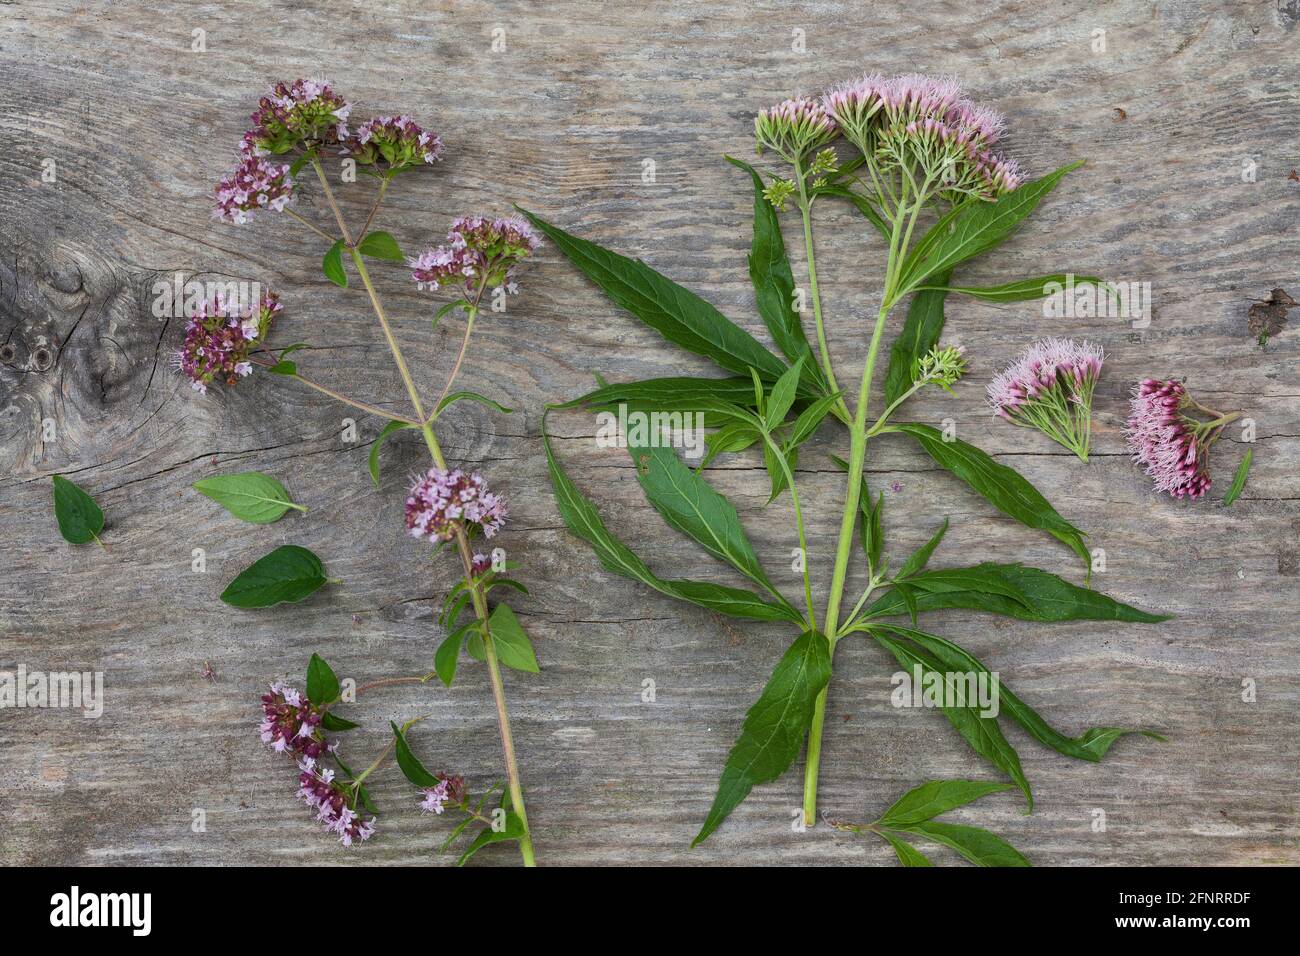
138	126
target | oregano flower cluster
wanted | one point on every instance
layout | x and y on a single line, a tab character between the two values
305	122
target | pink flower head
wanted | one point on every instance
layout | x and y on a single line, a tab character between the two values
394	141
250	187
220	338
927	122
298	115
319	790
1049	387
291	723
794	127
1169	442
439	498
449	790
479	253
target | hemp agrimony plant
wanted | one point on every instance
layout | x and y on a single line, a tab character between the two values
919	164
299	126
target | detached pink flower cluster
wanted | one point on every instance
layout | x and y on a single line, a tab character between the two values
1173	446
1049	387
479	251
450	790
317	788
252	186
440	498
396	140
219	339
930	120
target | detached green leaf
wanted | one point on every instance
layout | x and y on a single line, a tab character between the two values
676	313
380	245
581	518
332	265
472	397
387	430
936	797
249	495
80	520
774	728
1239	480
322	683
409	763
1039	596
287	574
1001	486
979	846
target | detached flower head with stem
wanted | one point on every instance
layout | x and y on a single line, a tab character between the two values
1169	434
1049	387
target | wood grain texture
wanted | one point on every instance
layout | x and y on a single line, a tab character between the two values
140	127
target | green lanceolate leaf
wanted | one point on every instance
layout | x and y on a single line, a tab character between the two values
514	830
408	762
908	855
334	722
380	245
387	430
1025	289
981	732
918	559
782	396
676	393
676	313
730	438
582	519
1001	486
322	683
936	797
283	368
774	728
1091	745
805	426
1040	596
287	574
80	520
975	227
690	505
249	495
447	656
773	280
472	397
1239	480
920	333
332	265
977	845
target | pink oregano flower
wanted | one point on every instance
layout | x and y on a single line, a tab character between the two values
220	338
479	252
439	498
1168	441
252	186
1049	387
450	790
394	142
300	115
